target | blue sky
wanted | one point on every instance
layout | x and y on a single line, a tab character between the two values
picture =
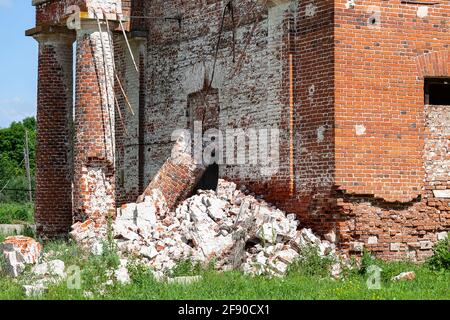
18	61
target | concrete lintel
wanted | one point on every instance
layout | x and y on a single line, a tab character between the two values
49	29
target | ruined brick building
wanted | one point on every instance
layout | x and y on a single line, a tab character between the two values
360	91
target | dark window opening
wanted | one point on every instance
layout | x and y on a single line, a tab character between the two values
437	91
209	180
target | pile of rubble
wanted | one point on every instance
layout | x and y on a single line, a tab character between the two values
21	251
18	252
233	228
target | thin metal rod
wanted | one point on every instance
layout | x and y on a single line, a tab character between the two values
128	45
120	115
107	80
27	165
114	67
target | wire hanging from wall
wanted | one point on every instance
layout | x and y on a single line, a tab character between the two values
230	9
107	80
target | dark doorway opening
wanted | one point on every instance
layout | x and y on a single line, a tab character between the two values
437	91
209	180
203	107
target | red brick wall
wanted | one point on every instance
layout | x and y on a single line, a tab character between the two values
129	121
314	113
54	12
308	35
54	119
380	124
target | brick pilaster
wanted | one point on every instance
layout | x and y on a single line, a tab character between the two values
54	143
94	184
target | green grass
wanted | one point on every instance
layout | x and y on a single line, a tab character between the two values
303	282
16	213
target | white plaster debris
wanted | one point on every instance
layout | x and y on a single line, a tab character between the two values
19	251
360	130
122	275
331	237
97	249
311	9
42	275
51	268
426	245
422	11
442	193
372	240
442	236
321	133
350	4
357	246
395	246
211	225
35	290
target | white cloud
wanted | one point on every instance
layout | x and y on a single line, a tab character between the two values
5	3
15	109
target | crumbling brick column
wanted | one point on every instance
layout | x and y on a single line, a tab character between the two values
179	175
54	142
94	183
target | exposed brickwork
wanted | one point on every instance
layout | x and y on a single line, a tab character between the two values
382	125
359	152
54	149
178	176
314	114
128	122
55	12
94	185
245	88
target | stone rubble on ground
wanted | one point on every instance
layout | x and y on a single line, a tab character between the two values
35	290
52	268
232	228
18	252
121	274
44	274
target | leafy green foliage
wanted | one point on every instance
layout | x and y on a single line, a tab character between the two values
12	168
441	255
11	213
110	255
297	285
367	260
310	263
187	268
